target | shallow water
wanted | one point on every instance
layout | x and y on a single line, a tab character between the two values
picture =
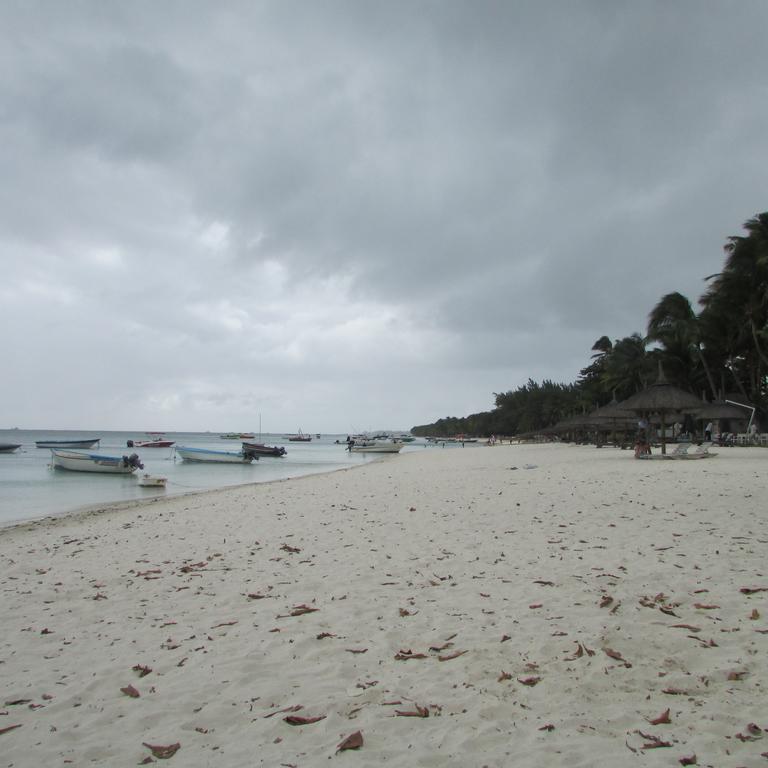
30	489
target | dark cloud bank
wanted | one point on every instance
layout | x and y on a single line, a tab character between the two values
349	215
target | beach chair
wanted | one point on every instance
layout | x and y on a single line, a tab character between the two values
681	449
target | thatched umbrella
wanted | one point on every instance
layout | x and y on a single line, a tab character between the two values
573	424
719	409
614	410
614	415
661	398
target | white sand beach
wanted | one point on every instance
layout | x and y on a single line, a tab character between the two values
506	606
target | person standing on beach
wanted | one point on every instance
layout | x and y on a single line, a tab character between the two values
708	433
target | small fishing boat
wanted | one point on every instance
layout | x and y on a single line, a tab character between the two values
9	447
214	456
155	442
375	446
88	443
259	449
94	462
238	436
152	481
299	437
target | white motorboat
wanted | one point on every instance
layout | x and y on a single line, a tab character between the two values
75	461
152	481
375	446
214	456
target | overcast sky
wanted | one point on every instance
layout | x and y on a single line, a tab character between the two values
355	215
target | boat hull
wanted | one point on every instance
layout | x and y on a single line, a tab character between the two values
376	448
212	456
67	443
9	447
152	481
92	462
151	443
257	449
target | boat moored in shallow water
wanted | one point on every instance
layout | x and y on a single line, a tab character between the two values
213	456
155	442
152	481
299	437
375	446
88	443
94	462
9	447
259	449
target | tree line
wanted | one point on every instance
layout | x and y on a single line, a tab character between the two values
721	348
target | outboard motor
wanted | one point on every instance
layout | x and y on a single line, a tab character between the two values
133	461
130	443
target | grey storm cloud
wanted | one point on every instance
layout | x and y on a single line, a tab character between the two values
427	202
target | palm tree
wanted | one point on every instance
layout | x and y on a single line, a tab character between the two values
590	382
674	325
738	298
627	366
748	257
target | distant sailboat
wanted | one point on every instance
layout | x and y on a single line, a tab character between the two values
299	437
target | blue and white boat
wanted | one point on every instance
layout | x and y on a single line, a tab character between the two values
88	443
76	461
214	456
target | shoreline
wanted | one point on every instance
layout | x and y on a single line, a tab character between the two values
87	510
518	605
31	490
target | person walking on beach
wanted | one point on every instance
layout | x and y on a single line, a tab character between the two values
708	433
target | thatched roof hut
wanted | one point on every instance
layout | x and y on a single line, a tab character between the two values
662	398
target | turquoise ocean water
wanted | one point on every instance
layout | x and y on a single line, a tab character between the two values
29	489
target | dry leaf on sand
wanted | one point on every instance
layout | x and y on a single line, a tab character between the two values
298	720
450	656
418	712
353	741
405	655
662	719
616	655
141	669
294	708
163	752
